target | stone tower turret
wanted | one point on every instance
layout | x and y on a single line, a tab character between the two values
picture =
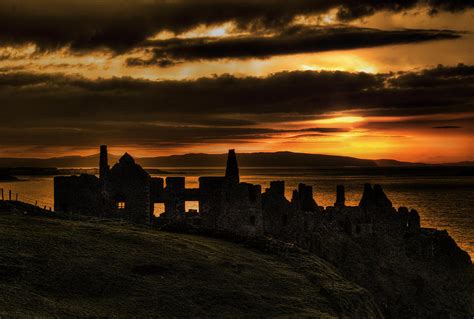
340	196
232	169
104	167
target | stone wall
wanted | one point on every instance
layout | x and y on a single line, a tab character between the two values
211	200
226	205
412	272
175	197
78	194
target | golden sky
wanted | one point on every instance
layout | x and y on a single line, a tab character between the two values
156	77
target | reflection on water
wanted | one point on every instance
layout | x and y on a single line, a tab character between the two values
443	202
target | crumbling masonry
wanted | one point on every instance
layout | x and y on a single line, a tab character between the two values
127	191
382	249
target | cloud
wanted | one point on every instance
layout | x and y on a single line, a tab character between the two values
437	77
427	122
60	110
141	134
290	41
162	63
357	9
447	127
121	25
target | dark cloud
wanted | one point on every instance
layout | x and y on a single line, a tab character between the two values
437	77
459	121
162	63
447	127
354	9
290	41
71	110
138	133
11	68
123	24
125	98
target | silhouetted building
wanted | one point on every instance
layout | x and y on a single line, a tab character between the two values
340	196
303	198
128	192
372	243
232	168
104	162
129	186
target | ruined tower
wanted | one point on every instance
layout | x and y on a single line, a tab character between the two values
104	162
340	196
303	198
368	198
232	169
374	197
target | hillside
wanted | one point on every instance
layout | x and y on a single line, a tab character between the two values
63	268
271	159
276	159
394	163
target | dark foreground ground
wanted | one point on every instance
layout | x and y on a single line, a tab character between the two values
68	268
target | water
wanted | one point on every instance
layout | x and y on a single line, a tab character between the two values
444	202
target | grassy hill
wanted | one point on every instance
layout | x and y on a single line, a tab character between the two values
68	268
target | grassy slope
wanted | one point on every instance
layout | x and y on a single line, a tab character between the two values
61	268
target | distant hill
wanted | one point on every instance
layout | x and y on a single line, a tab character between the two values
466	163
7	178
59	162
275	159
395	163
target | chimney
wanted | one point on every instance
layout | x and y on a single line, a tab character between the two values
232	169
104	162
340	196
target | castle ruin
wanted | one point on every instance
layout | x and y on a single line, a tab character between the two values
413	272
128	192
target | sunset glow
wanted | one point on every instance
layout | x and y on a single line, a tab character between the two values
341	120
371	85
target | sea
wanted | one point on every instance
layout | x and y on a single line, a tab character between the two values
443	202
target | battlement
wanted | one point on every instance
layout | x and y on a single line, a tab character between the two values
128	191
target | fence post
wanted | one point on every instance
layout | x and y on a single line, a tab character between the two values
10	195
2	195
16	197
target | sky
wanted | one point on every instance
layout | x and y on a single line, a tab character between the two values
372	79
